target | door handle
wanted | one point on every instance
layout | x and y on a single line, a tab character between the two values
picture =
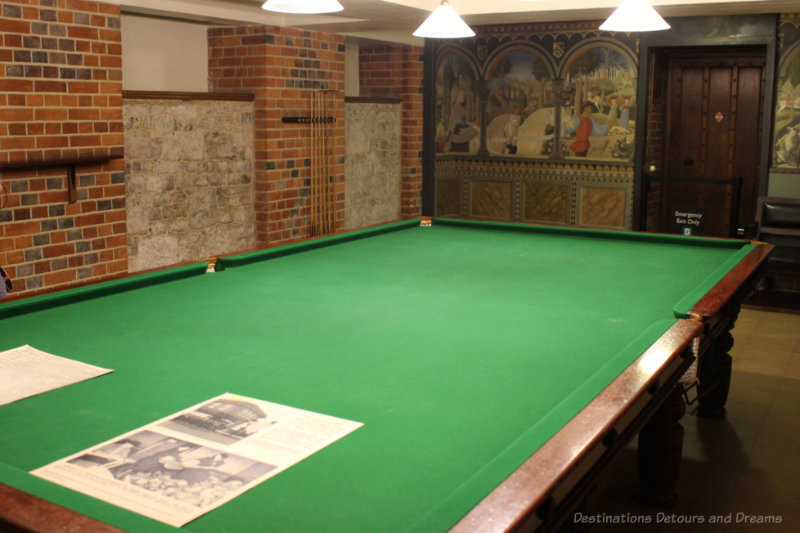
688	161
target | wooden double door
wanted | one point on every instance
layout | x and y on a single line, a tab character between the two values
712	132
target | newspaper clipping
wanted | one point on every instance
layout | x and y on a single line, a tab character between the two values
27	372
183	466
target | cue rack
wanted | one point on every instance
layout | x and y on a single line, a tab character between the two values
323	159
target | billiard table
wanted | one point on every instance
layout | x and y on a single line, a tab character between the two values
497	369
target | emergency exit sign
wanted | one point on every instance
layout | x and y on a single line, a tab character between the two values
688	220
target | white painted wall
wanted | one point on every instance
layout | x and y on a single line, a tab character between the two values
163	55
785	185
351	81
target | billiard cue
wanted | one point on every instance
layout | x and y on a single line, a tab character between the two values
321	158
311	166
315	186
323	166
315	200
326	155
320	167
332	163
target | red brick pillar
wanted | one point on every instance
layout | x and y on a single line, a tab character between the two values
284	68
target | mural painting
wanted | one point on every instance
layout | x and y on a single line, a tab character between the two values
786	151
457	128
534	105
598	121
520	109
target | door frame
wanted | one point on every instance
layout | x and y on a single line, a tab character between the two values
717	32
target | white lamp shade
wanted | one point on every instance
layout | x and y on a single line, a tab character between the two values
303	7
444	23
634	15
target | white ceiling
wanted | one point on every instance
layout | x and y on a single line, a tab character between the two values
395	20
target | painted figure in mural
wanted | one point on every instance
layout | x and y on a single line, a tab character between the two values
612	102
625	112
456	106
583	131
603	78
531	105
459	130
584	127
594	99
511	131
498	105
623	148
788	147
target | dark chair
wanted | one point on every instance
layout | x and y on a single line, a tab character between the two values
778	223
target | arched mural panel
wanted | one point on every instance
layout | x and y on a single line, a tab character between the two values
786	151
598	111
457	103
520	107
517	165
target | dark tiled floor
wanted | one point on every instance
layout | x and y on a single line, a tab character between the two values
741	468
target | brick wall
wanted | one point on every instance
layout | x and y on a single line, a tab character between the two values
284	68
61	80
397	71
61	99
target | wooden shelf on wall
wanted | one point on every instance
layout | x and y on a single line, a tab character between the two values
373	100
70	164
187	96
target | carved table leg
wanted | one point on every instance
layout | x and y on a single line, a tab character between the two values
660	449
714	373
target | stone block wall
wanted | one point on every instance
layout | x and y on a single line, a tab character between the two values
61	110
396	71
190	179
372	162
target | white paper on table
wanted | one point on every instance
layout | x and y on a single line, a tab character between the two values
190	462
26	371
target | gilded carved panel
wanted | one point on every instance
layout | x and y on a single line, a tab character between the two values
546	202
490	199
448	197
602	207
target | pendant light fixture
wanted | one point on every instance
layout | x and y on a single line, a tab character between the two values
303	7
634	16
444	23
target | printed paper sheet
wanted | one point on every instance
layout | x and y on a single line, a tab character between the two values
182	466
26	371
